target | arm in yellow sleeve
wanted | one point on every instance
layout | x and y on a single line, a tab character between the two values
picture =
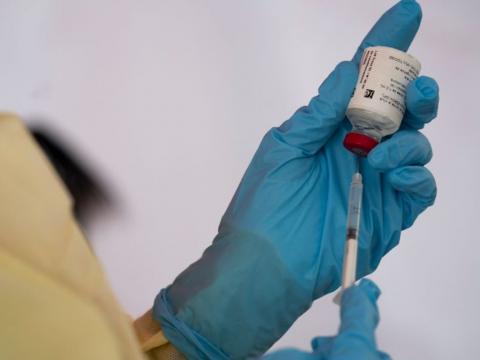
56	302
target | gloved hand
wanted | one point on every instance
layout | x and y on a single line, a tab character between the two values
356	336
280	242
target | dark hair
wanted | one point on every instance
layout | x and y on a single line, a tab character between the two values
88	192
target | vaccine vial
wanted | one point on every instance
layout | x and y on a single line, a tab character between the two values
377	106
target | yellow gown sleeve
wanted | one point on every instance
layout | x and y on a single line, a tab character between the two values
55	302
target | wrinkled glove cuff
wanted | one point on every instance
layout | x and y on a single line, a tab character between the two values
186	340
239	295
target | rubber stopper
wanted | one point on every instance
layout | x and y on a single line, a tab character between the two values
359	144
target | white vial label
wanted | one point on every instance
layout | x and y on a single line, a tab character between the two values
379	97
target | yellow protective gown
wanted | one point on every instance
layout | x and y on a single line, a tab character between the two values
55	302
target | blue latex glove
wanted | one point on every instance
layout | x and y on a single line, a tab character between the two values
356	336
280	242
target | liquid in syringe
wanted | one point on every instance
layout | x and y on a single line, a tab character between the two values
349	272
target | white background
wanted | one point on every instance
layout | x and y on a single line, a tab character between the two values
169	99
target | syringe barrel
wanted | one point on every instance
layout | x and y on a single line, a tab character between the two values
349	274
353	227
354	206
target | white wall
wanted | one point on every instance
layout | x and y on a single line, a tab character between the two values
169	99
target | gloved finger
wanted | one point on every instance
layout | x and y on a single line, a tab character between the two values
405	147
396	28
416	181
359	319
370	289
421	101
311	126
322	345
418	190
384	356
291	354
359	314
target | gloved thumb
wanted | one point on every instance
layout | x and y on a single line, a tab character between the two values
322	346
359	319
311	126
359	312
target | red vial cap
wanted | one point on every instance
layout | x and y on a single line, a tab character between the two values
359	144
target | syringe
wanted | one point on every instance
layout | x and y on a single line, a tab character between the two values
353	228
